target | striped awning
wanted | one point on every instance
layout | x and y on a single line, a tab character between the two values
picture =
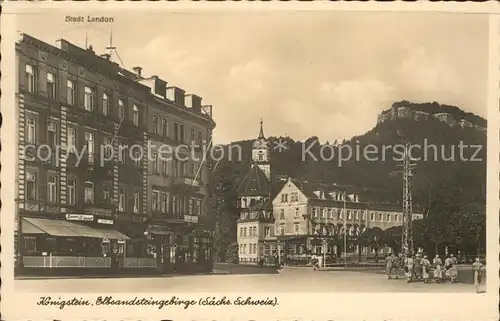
31	225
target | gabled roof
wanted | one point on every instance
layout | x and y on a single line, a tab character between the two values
255	183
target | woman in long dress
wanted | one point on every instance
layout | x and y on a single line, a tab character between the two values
438	272
409	264
477	267
426	265
453	271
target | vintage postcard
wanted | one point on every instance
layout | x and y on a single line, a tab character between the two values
250	161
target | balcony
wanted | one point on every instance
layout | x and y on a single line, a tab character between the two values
185	182
182	218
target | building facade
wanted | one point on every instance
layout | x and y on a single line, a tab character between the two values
85	184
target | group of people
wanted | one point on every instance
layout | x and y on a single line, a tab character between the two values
418	267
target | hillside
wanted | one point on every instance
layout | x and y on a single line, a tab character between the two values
435	108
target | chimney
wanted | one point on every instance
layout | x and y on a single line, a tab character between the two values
176	95
106	56
137	71
193	102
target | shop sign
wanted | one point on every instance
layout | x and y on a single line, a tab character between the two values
99	211
104	221
80	217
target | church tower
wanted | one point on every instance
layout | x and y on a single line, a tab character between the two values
261	154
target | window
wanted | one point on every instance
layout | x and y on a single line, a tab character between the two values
198	211
31	130
294	197
174	205
137	202
356	215
296	212
71	139
267	231
71	190
88	102
380	217
284	198
31	186
388	217
323	213
30	244
137	157
165	204
341	215
89	192
135	115
315	212
178	132
121	199
372	217
52	133
297	227
30	78
190	206
330	213
155	163
282	230
89	138
51	85
52	189
199	137
192	136
155	125
121	109
282	213
164	165
244	232
108	148
70	92
106	193
105	104
349	215
164	127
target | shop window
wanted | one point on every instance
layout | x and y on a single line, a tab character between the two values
29	244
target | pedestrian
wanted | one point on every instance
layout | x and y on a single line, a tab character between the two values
409	265
438	272
314	261
418	266
389	265
453	269
320	262
478	269
426	265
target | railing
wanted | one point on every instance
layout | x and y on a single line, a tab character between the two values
135	262
66	262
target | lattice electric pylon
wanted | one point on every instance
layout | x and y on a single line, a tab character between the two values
407	228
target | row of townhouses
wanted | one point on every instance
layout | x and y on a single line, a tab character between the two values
96	185
291	218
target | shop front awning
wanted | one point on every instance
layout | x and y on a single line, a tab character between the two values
67	229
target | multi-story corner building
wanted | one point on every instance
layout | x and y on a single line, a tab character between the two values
179	130
68	101
86	184
307	213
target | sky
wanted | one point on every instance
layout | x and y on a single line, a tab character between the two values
325	74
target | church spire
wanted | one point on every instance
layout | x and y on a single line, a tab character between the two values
261	133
